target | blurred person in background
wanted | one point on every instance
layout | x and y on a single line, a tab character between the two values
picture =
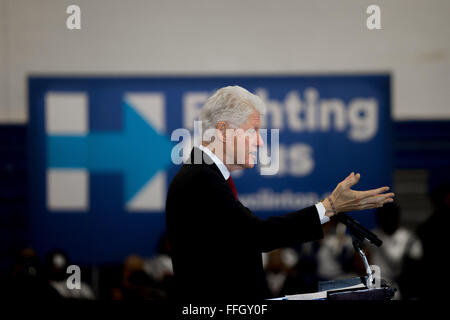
279	264
136	283
26	280
399	250
335	255
56	274
433	235
303	277
159	267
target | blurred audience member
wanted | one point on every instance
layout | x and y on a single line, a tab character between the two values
303	276
136	284
278	265
335	255
26	279
159	267
433	234
56	271
399	250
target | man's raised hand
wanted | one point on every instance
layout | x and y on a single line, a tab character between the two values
346	199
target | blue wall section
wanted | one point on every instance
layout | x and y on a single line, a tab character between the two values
424	144
13	193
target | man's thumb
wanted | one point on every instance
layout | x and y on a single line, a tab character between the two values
354	178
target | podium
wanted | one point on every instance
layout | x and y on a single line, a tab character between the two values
366	294
335	290
347	289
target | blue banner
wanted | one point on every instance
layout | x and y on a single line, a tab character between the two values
100	152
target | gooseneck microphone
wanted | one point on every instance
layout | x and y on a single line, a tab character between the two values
357	230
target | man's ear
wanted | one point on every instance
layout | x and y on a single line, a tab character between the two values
221	131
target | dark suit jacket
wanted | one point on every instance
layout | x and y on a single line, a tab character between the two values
216	242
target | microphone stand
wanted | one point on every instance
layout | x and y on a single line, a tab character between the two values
357	245
359	233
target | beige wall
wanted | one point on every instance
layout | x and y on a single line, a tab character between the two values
150	37
4	74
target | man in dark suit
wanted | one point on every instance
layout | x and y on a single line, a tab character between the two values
216	242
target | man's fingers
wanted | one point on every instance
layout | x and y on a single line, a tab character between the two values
373	192
346	180
379	199
375	205
351	180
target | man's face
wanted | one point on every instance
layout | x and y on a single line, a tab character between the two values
246	141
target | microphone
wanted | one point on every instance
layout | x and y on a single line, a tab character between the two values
358	230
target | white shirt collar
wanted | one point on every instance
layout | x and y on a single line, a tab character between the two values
223	169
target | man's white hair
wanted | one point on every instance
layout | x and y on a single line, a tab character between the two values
232	104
